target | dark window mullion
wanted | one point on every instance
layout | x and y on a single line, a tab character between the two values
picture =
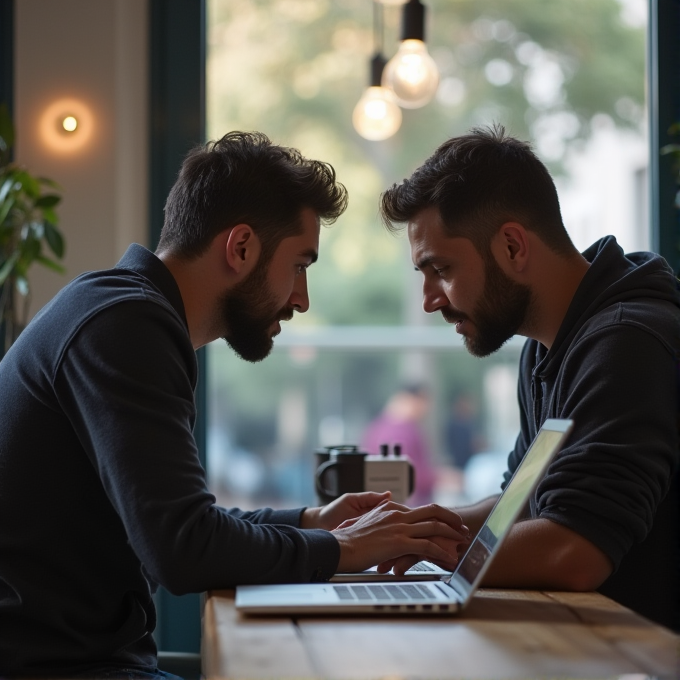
664	109
177	123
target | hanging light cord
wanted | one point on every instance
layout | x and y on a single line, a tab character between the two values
378	27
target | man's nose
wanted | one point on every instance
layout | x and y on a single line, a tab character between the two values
433	298
299	298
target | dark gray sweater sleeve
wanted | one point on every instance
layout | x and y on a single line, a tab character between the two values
619	386
130	400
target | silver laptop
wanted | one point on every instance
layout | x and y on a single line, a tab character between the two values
421	571
426	597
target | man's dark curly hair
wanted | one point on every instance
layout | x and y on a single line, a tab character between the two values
245	179
478	182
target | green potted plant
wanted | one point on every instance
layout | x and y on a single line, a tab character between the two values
28	229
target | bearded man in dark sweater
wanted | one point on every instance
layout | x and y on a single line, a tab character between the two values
603	333
102	496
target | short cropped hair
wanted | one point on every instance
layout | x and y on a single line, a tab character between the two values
245	179
478	182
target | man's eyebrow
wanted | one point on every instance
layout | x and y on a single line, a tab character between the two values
310	254
424	262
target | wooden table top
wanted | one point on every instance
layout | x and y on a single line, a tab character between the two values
501	634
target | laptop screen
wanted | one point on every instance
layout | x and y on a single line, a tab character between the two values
508	507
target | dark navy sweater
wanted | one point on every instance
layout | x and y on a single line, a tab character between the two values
102	495
613	368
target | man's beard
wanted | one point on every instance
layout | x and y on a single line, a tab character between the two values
248	312
502	310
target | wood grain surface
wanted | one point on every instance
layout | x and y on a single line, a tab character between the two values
501	634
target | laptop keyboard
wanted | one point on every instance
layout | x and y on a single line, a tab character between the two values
421	566
409	592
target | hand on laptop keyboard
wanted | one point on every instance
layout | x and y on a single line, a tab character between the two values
396	537
348	506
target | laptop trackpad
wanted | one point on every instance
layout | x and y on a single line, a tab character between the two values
287	594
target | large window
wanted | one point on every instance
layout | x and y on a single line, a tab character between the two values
566	74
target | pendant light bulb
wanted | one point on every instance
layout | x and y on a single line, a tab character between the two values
377	115
412	73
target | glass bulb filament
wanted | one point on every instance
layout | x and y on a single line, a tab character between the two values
412	75
376	116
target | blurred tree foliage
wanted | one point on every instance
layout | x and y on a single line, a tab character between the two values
294	69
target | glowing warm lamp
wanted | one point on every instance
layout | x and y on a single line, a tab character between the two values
66	125
412	73
376	115
70	123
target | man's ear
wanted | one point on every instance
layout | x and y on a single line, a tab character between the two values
242	249
511	246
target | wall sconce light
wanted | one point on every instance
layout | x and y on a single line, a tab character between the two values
412	73
377	115
69	124
66	125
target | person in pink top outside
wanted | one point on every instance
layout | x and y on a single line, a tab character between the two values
400	423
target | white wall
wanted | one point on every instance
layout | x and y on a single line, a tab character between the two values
93	52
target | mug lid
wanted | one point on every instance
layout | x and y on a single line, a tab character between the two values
346	452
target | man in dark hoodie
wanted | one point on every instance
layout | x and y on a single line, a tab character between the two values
485	230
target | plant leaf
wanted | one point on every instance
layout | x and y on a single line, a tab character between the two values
29	250
28	219
22	285
8	265
5	207
50	264
47	201
37	230
54	239
29	183
670	148
49	182
6	186
50	216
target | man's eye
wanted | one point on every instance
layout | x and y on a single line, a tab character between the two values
440	270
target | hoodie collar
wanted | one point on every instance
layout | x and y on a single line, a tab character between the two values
612	277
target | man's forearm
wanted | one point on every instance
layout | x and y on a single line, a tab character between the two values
540	554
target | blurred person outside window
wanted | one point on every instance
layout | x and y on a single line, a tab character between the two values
462	433
400	423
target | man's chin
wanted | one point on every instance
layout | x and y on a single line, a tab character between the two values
483	349
252	352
